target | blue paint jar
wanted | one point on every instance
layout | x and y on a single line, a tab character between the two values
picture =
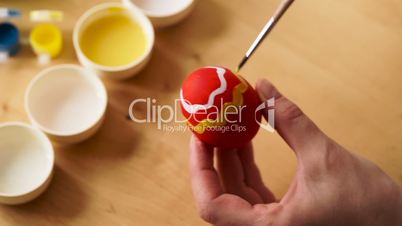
9	38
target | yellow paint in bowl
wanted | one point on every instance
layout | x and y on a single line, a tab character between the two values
46	39
113	40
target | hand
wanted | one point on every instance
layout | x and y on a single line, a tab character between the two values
332	186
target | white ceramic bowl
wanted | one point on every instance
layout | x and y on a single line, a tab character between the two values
100	11
26	163
164	12
67	102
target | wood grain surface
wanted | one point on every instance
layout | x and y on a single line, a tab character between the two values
339	60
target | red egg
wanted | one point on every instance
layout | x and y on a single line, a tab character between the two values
220	107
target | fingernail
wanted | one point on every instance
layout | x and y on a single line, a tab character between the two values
264	89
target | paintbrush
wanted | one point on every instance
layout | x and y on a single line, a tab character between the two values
266	30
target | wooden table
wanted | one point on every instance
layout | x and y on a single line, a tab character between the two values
339	60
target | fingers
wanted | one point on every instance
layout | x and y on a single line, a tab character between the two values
204	179
238	173
229	209
232	176
230	170
252	174
301	134
214	206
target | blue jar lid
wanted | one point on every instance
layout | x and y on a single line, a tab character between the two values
9	38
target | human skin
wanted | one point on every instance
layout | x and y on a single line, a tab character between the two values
332	186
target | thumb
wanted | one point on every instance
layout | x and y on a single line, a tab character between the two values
298	131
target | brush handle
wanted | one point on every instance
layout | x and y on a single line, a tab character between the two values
270	25
267	29
283	7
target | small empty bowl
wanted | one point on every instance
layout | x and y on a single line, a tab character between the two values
26	163
164	12
67	102
113	40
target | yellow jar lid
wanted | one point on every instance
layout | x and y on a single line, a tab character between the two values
46	39
46	15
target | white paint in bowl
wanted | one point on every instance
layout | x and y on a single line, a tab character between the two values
164	13
26	162
162	8
66	100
